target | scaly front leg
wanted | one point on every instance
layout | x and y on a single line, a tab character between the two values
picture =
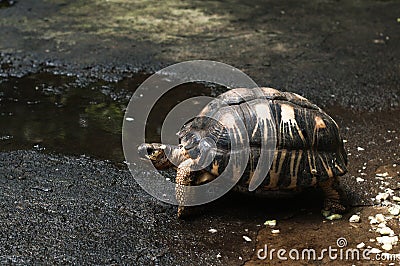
183	182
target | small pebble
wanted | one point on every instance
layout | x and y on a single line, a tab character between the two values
334	217
361	245
360	149
212	230
359	179
219	255
247	239
385	231
381	225
373	221
375	250
389	190
44	189
354	219
379	217
387	239
382	196
394	210
271	223
275	231
387	247
385	174
395	198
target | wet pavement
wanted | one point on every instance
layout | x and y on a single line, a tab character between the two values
68	69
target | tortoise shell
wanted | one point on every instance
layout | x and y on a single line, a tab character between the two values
309	148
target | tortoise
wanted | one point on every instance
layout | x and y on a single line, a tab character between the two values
309	149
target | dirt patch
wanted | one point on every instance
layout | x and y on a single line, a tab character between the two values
319	234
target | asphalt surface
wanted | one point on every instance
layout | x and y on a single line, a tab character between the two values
77	210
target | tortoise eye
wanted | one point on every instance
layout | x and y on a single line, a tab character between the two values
154	155
150	151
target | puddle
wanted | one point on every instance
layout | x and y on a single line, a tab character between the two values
57	113
6	3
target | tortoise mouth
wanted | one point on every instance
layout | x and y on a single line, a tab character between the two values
152	151
156	153
145	150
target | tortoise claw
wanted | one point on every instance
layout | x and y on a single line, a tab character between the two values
188	212
181	212
333	206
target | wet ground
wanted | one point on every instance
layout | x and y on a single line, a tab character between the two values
67	71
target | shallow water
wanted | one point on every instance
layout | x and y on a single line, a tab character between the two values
57	113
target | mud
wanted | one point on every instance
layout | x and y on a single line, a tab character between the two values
68	68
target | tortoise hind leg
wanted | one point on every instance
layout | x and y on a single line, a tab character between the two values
332	197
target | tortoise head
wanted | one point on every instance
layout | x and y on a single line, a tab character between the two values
157	153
